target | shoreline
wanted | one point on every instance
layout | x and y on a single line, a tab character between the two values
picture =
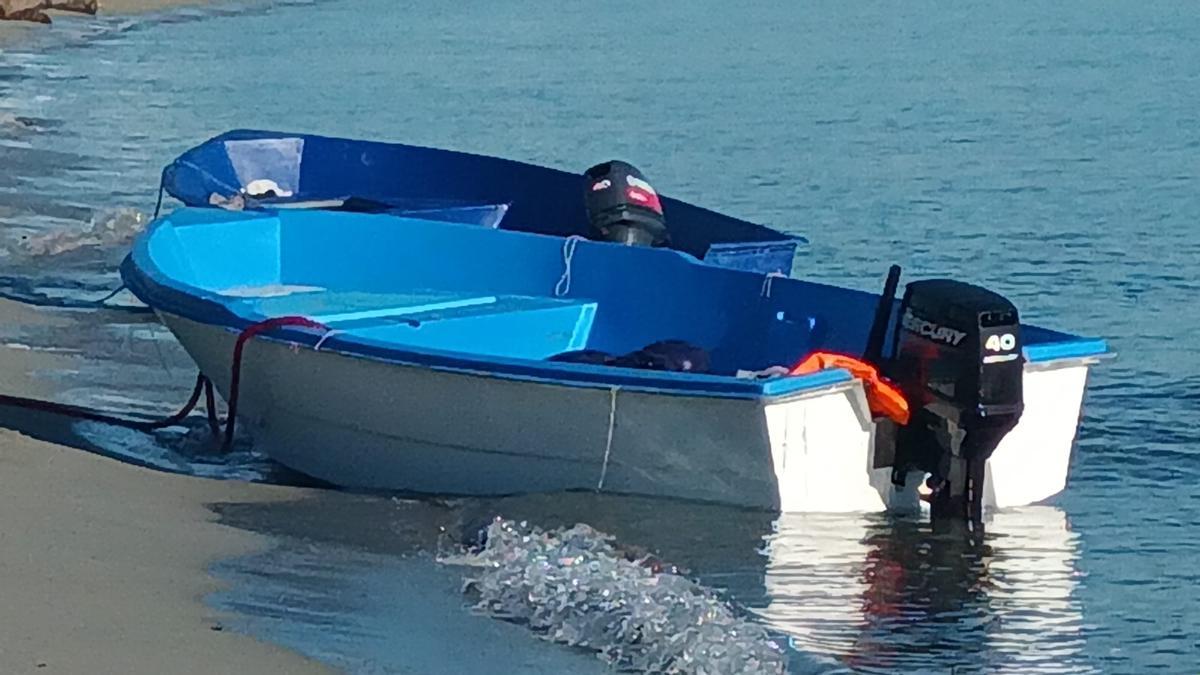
105	566
11	30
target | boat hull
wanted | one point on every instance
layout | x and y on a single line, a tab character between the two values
364	423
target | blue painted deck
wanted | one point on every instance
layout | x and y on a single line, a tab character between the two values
517	326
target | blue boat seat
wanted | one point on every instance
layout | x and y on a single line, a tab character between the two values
499	325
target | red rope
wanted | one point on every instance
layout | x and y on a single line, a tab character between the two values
203	387
235	375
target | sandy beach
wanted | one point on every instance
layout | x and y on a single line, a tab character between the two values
104	565
103	568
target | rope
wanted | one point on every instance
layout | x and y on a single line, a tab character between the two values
231	189
210	406
65	303
328	334
612	423
568	251
162	186
115	292
202	384
207	175
23	290
766	287
203	387
235	375
87	304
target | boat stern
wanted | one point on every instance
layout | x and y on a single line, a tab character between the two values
1032	462
822	450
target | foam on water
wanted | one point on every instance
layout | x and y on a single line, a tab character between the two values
16	125
573	586
87	253
109	228
188	449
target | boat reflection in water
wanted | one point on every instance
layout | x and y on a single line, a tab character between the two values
885	595
868	592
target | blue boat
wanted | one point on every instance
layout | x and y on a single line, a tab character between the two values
434	354
265	169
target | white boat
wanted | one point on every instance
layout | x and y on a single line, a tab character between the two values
444	358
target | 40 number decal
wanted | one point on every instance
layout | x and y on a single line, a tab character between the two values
1001	343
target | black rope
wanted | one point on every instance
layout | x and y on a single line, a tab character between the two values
203	387
69	303
210	405
79	412
46	301
158	206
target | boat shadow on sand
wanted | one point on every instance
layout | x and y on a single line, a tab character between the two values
187	449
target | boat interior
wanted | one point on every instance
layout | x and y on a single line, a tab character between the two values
399	179
412	284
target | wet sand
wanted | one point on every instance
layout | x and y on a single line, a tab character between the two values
103	568
104	565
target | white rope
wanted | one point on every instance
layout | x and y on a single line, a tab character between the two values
612	423
766	287
564	283
328	334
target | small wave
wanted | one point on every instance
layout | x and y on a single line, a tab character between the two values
106	228
71	266
11	124
188	449
575	587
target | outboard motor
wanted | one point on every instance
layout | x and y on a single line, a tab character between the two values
622	206
957	358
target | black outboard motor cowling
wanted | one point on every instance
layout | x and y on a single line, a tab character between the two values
958	360
622	206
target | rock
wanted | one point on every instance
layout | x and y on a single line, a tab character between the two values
35	10
34	15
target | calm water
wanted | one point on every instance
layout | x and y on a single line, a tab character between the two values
1048	150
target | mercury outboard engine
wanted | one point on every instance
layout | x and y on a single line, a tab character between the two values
622	206
957	358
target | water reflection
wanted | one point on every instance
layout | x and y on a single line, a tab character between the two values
892	596
871	592
864	593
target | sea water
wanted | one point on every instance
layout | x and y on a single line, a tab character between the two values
1050	151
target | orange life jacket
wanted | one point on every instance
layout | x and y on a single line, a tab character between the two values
882	396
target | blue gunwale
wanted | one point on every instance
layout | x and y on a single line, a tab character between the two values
1066	350
164	293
